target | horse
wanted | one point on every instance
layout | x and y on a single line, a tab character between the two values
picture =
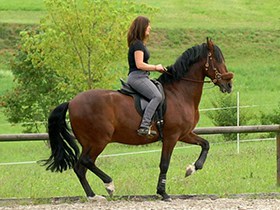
99	117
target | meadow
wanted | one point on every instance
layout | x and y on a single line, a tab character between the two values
225	172
248	33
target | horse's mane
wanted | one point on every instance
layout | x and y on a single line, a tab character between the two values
186	60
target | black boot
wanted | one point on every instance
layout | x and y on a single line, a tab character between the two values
146	132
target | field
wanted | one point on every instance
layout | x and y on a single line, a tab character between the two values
248	32
253	170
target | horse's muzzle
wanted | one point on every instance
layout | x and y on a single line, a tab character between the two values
227	76
226	87
225	83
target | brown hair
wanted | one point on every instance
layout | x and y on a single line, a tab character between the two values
137	30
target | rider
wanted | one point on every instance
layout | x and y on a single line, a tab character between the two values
139	70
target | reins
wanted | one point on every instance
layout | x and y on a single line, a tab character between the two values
197	81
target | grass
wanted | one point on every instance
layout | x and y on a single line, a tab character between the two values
6	79
24	12
216	14
19	5
251	171
22	17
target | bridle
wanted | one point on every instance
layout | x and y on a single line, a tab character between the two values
218	75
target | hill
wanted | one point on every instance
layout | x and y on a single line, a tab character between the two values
248	32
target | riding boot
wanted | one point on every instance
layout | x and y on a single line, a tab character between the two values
144	131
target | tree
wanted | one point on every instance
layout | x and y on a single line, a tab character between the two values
34	94
74	49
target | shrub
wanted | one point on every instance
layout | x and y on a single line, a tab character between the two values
225	113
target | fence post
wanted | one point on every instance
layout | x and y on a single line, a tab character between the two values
238	120
278	157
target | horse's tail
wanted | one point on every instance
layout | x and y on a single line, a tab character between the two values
64	149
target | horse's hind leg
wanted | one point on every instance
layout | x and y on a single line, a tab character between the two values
80	171
194	139
88	161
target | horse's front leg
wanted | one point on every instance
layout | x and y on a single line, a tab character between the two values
166	153
194	139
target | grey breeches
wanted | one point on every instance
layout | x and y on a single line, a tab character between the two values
139	81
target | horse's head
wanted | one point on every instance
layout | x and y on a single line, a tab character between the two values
216	69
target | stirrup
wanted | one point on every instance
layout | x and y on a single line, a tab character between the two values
147	132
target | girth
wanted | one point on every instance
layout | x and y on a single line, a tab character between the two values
141	102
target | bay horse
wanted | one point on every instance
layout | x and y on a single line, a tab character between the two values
99	117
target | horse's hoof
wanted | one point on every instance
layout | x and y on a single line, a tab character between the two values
165	196
168	199
110	187
97	198
190	170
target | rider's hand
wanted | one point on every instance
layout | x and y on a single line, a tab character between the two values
160	68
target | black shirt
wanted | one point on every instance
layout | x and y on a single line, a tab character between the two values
137	45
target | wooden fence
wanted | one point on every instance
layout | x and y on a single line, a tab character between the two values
205	130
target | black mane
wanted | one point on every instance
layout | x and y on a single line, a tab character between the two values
186	60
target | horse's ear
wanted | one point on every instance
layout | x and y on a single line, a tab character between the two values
210	44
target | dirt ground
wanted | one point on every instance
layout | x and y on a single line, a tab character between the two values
176	204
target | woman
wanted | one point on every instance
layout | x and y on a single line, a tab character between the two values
139	70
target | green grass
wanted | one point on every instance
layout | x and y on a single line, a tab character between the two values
25	5
22	17
17	11
6	127
225	172
6	79
215	14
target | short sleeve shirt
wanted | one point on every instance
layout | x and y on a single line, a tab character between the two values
137	45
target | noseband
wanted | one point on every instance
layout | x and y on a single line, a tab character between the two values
218	75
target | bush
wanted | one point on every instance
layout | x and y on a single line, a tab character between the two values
34	95
271	118
225	114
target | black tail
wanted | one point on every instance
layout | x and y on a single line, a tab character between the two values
64	149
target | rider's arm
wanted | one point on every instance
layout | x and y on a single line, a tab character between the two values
140	64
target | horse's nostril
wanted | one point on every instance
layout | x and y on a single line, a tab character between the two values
229	85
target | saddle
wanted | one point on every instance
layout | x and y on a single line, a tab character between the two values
141	102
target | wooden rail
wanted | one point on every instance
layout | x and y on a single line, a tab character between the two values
24	137
205	130
238	129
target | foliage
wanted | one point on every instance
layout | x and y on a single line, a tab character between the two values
82	40
271	118
73	50
226	114
34	94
